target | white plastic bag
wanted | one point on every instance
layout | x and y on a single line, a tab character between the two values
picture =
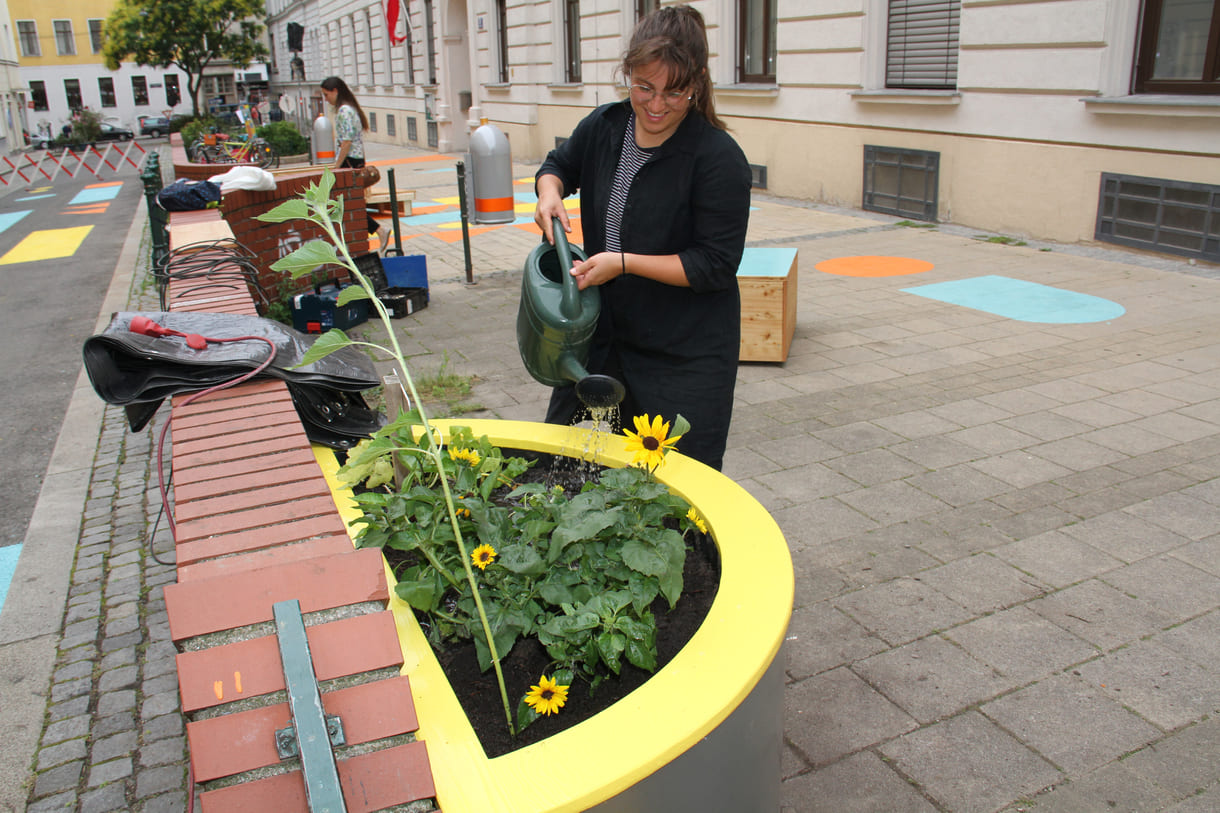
245	177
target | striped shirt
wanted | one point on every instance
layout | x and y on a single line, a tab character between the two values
630	160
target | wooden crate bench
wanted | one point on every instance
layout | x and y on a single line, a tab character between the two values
767	281
378	198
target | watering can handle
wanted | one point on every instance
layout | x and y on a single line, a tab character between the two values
569	304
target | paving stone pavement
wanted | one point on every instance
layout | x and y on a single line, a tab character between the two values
1006	534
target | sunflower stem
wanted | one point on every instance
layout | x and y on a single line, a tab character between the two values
324	216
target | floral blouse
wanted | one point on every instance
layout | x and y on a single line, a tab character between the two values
347	128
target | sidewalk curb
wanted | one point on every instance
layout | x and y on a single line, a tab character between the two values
32	619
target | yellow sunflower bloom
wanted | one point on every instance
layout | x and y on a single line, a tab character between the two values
694	517
469	455
482	556
547	697
649	441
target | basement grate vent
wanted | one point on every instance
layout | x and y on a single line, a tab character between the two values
901	182
758	176
1160	215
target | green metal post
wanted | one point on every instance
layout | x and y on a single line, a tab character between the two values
158	218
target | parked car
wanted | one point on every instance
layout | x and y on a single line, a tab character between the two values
154	126
111	132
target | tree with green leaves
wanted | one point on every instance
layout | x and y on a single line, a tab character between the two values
188	34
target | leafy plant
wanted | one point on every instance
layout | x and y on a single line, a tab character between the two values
283	137
578	573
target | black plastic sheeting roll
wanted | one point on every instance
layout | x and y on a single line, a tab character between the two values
138	372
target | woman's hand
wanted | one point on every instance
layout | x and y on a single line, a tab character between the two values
598	269
550	206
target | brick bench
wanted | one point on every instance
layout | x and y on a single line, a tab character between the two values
256	524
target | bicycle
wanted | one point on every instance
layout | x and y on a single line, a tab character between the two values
218	148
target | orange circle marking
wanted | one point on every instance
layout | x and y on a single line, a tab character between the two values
873	266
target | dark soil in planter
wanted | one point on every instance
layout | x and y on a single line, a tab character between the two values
479	693
528	660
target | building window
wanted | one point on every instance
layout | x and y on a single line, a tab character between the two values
1160	215
901	182
95	35
645	7
38	94
27	33
372	114
502	41
172	94
105	89
571	41
921	44
139	90
756	41
434	135
390	127
430	42
1179	47
72	91
65	43
412	129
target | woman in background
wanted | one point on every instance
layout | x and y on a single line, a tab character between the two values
350	122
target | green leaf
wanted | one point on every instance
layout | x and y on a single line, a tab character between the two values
419	594
644	558
610	646
522	559
329	342
293	209
641	656
554	593
525	715
306	258
351	293
680	426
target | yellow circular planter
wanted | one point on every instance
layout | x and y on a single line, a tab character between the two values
704	733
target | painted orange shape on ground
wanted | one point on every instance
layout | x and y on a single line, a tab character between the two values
870	266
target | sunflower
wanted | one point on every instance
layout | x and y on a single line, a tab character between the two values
694	517
482	556
649	442
469	455
547	697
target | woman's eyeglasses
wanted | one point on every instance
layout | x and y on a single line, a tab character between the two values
673	98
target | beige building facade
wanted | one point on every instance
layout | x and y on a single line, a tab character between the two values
1067	120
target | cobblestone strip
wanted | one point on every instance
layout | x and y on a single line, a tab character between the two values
114	737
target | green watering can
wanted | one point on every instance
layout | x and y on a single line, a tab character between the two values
556	320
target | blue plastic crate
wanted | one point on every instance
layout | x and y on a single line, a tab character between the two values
410	271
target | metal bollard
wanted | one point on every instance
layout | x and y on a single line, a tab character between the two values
158	218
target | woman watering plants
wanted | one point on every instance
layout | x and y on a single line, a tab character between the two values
665	199
350	122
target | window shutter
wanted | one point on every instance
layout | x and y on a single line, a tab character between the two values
922	44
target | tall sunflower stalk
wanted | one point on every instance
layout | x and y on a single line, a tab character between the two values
318	207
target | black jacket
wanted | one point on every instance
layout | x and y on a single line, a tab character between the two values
676	348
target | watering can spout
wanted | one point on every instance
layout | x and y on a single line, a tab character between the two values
556	322
597	391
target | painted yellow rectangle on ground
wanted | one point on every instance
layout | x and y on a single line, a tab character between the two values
47	244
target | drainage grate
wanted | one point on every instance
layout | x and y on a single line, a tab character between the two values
901	182
1160	215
